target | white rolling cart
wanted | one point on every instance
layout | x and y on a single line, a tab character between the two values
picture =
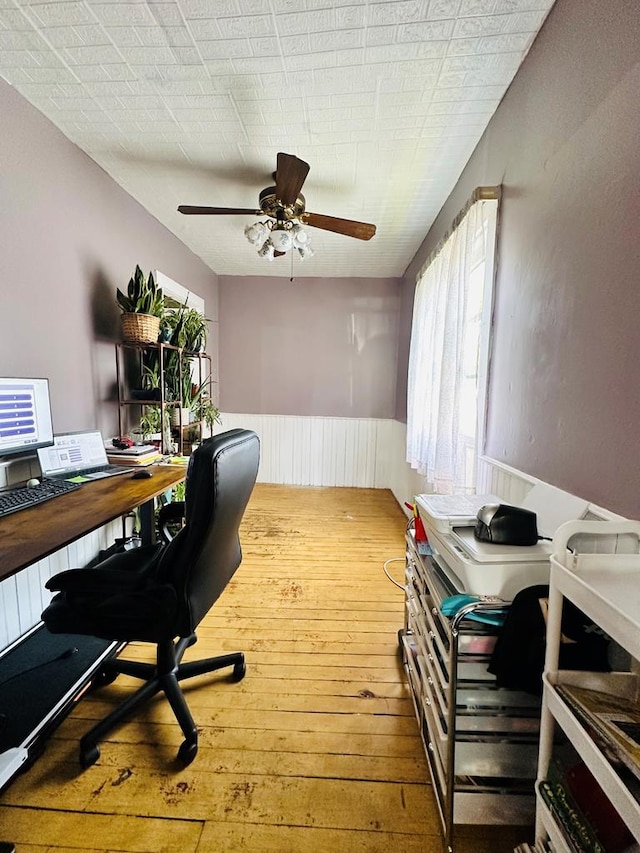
603	582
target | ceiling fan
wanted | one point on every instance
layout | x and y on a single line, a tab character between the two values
284	205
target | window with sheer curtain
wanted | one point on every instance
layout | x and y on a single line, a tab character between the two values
449	351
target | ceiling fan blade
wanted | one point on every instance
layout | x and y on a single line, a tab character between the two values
196	209
290	176
348	227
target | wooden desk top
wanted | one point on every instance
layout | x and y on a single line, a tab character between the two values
31	534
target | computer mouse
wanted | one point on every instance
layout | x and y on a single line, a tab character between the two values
33	482
142	475
502	524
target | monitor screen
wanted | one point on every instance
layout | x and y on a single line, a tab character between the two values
25	416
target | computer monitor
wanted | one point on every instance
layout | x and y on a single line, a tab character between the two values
25	416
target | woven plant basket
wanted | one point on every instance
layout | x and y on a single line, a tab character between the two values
140	328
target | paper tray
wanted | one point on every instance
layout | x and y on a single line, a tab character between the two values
442	511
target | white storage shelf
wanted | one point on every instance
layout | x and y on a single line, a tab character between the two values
552	832
606	588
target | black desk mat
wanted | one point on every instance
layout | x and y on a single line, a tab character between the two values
36	675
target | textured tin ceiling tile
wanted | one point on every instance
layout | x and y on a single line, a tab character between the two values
189	102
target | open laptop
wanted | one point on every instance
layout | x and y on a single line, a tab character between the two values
78	454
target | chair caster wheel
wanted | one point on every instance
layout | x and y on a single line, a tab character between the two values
187	752
88	756
101	679
239	671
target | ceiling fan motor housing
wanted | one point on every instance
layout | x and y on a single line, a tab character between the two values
272	206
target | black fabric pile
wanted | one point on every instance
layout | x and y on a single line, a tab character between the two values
518	656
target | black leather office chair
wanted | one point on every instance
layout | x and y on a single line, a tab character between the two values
159	594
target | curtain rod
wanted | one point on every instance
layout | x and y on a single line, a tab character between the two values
479	194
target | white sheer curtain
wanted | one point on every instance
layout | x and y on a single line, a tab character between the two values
451	312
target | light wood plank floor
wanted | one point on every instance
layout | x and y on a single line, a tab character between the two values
317	749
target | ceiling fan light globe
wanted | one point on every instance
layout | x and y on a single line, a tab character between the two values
282	240
257	233
267	250
300	236
305	251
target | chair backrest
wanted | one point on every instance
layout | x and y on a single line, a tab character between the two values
203	556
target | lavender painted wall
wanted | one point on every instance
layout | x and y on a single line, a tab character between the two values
563	402
69	236
323	347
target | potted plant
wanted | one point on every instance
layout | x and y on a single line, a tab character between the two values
203	413
210	414
166	330
172	322
202	406
182	393
149	381
148	425
142	307
154	426
188	327
195	330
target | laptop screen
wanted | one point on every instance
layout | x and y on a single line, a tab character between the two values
73	452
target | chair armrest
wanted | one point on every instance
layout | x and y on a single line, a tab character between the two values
126	570
93	580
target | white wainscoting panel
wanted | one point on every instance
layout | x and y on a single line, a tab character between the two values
495	478
512	486
405	482
23	596
309	451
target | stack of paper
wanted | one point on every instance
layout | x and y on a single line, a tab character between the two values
137	455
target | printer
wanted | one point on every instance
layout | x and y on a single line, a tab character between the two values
472	567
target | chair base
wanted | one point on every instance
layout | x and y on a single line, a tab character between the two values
163	676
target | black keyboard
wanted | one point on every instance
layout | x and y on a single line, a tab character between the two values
17	499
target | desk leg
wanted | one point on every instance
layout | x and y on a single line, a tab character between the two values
147	524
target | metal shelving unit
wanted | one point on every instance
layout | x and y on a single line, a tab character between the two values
481	741
129	370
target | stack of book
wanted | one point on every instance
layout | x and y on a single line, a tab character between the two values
586	817
614	724
137	455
